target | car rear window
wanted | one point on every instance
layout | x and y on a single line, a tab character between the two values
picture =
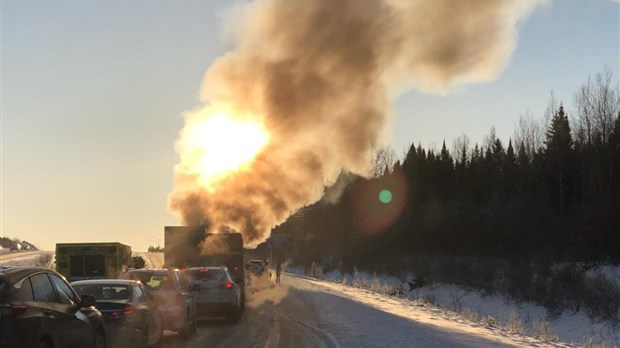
152	281
206	274
103	291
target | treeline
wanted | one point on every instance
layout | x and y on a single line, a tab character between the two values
551	192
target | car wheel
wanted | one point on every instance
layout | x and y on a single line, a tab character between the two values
185	331
158	338
43	343
242	300
235	316
99	340
143	339
193	326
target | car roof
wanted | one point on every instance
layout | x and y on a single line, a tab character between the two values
152	270
105	282
12	274
223	268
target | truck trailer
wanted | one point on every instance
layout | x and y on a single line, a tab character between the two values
193	246
79	261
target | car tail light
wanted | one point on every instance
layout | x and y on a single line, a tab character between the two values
204	270
228	285
236	268
129	310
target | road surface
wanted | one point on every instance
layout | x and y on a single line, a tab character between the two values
313	315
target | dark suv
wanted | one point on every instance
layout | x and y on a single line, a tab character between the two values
170	290
38	308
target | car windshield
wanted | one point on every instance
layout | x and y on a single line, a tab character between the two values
104	291
206	274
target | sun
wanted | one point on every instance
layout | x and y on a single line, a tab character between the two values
219	140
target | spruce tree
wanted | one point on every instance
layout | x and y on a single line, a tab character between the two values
560	169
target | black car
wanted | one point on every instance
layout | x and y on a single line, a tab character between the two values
130	314
38	308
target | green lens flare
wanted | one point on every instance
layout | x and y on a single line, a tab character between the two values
385	196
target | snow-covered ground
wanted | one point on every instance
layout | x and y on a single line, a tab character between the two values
497	313
28	258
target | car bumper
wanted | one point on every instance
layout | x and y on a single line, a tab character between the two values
173	319
123	334
215	309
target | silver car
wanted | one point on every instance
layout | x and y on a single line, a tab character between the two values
171	291
217	293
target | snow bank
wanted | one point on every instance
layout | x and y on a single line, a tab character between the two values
524	318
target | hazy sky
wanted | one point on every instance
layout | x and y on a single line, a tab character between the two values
92	96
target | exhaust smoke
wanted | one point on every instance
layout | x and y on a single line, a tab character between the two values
308	89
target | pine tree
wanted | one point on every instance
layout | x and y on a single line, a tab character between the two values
510	170
560	161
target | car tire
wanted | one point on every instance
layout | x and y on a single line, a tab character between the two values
160	335
44	344
235	316
193	326
242	300
99	341
144	341
186	330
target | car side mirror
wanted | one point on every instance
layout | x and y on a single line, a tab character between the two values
87	301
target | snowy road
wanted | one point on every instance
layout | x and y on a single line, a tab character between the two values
315	314
304	312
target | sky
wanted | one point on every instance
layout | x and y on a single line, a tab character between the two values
92	95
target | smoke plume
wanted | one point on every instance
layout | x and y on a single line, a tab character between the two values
319	76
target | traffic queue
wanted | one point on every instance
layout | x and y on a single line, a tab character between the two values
40	308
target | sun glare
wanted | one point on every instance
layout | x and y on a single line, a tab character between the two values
221	141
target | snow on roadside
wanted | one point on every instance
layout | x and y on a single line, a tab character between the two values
28	258
571	328
363	318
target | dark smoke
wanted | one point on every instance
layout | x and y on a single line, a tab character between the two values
322	73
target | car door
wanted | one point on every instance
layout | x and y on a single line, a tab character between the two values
30	324
79	332
46	299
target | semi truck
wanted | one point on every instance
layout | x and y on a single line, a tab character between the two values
79	261
194	246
